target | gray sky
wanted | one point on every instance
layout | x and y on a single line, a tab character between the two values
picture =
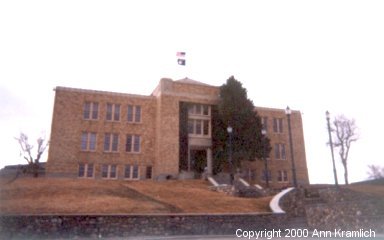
311	55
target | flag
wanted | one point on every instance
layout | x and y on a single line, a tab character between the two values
181	58
180	54
181	61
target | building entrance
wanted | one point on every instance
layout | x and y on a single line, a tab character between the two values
198	160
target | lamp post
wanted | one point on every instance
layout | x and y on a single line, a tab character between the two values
229	130
288	113
327	115
264	132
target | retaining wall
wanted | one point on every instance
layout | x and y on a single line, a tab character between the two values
329	209
94	226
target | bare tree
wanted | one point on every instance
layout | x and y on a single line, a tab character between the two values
375	172
345	132
26	151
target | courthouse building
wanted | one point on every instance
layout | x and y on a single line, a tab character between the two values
108	135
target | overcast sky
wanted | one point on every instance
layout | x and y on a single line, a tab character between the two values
311	55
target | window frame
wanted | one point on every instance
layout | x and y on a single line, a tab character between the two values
113	112
264	123
107	170
134	143
87	144
90	111
134	113
278	125
87	168
282	176
280	151
199	120
111	142
132	169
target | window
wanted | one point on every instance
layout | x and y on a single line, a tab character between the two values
148	172
199	109
134	114
138	114
264	123
132	171
278	125
282	149
199	120
135	172
91	110
88	141
87	110
81	170
206	127
112	171
282	176
191	127
104	171
133	143
199	127
205	110
280	153
111	142
113	112
109	171
90	170
85	170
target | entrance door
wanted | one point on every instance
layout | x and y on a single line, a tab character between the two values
198	160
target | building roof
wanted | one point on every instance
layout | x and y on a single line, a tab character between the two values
89	91
191	81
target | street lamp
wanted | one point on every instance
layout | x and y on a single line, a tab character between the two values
288	113
264	133
327	115
229	130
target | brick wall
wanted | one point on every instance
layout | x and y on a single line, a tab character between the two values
281	137
159	131
68	124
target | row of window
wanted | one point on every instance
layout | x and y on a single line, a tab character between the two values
111	142
277	124
113	112
199	127
199	109
282	176
110	171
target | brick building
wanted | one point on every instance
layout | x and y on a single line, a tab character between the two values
107	135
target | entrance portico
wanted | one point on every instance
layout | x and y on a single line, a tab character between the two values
199	138
195	158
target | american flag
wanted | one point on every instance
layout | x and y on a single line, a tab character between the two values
180	54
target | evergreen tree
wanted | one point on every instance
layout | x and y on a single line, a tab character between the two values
237	111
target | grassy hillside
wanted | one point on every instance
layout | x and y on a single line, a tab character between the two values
371	187
46	195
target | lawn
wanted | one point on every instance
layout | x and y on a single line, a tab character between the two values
82	196
372	187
